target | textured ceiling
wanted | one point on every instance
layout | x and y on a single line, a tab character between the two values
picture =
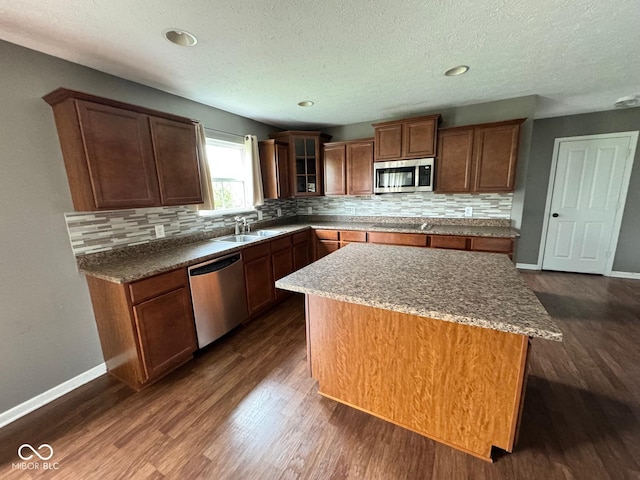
358	60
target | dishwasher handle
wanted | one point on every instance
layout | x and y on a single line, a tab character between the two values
214	266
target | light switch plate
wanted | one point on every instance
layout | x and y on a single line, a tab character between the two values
468	211
259	214
309	210
159	231
279	212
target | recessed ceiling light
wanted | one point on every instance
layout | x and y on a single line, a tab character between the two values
455	71
306	103
627	102
180	37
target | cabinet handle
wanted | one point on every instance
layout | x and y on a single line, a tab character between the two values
555	215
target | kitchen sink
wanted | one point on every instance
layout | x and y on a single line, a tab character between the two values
264	233
237	238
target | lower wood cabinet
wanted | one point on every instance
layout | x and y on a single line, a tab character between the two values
282	261
301	249
146	327
449	241
258	273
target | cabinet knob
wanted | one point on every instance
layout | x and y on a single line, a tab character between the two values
555	215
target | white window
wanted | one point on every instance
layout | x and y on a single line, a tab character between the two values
230	175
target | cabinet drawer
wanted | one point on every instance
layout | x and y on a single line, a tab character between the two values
350	236
257	251
327	234
492	244
449	241
152	287
410	239
300	237
280	244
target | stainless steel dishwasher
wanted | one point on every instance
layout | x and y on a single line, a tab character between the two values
219	297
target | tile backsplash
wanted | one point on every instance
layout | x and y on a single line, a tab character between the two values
92	232
485	205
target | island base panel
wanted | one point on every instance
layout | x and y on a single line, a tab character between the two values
457	384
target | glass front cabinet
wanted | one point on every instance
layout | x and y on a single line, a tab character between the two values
305	160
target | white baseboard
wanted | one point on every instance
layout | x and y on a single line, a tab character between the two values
527	266
625	275
50	395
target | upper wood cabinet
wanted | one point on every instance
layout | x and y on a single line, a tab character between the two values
405	139
274	164
335	169
478	158
305	156
123	156
174	147
348	167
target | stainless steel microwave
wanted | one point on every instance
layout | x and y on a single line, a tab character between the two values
403	176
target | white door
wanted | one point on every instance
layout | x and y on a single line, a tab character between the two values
584	200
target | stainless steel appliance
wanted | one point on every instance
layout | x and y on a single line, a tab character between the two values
218	295
403	176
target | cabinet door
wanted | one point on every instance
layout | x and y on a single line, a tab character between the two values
409	239
419	138
119	156
174	145
454	163
282	262
388	142
335	170
166	331
360	168
300	255
325	247
306	168
259	278
449	241
269	168
495	156
282	174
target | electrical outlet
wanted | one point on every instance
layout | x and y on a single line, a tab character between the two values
279	212
259	214
159	231
309	210
350	210
468	211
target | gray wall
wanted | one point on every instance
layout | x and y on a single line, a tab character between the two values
522	107
545	131
48	334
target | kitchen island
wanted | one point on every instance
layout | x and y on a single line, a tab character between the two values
432	340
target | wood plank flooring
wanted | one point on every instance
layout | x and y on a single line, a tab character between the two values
246	409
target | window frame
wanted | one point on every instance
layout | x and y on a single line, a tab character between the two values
247	178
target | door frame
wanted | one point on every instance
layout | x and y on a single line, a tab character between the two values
626	178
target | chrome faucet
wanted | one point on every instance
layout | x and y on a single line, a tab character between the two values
241	221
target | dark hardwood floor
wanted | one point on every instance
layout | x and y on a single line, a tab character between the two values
246	409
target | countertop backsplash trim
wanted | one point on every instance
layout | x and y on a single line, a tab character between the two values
93	232
104	231
434	205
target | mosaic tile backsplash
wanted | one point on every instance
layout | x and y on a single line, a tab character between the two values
92	232
488	205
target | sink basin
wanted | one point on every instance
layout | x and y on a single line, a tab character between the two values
264	233
236	239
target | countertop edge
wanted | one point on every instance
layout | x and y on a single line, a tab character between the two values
471	322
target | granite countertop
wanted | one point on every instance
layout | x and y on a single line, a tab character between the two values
432	229
471	288
131	264
129	268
